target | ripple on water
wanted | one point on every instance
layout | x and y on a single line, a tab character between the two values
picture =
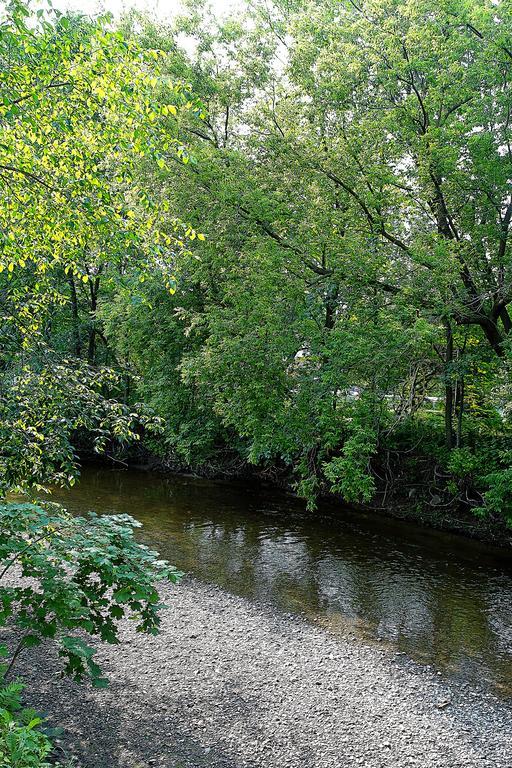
440	599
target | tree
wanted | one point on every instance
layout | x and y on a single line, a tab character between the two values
353	184
79	107
416	100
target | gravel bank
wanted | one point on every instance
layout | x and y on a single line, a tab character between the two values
230	684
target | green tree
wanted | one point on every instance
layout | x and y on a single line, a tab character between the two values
353	185
79	107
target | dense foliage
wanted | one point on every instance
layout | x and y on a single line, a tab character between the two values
74	576
22	743
79	107
345	321
62	579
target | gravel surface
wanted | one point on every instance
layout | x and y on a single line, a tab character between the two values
232	684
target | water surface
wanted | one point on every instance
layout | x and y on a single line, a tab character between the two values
439	598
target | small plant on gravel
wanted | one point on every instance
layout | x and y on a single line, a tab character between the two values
75	577
22	743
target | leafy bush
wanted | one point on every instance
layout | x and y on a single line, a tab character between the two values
41	411
349	474
78	575
74	577
498	497
22	743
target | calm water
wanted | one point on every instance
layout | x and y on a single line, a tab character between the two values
441	599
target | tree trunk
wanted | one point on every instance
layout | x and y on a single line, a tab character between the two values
460	412
77	343
493	336
94	287
449	399
331	305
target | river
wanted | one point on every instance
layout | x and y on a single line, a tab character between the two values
438	598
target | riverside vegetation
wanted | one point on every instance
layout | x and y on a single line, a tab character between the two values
279	240
79	107
345	322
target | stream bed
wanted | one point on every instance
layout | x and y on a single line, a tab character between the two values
441	599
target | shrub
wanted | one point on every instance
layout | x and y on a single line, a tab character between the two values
22	743
79	577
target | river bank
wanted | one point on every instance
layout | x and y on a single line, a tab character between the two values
442	599
408	503
230	683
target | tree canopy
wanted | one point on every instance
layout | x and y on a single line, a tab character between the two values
348	311
80	106
344	319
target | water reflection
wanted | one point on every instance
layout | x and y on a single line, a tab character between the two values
442	600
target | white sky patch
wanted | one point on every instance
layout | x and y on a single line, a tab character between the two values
161	8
